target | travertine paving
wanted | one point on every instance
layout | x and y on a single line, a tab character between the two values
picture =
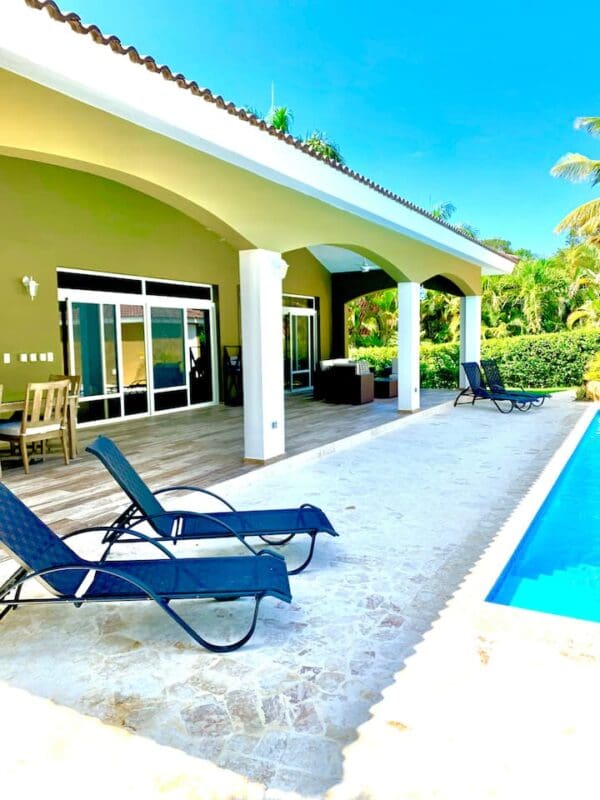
415	510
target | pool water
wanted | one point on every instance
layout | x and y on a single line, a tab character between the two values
556	566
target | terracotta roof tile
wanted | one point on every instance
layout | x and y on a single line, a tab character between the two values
75	23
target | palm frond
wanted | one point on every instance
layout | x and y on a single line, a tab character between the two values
575	167
468	229
443	210
584	220
589	124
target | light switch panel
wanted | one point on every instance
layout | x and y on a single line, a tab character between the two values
23	357
6	358
50	356
42	356
33	356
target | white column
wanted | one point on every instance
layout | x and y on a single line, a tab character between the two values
409	324
261	273
470	333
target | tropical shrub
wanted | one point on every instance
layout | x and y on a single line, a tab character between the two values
592	370
545	360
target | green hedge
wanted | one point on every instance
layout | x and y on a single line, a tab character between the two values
550	359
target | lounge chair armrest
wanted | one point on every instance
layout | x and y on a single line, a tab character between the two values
182	515
127	531
194	489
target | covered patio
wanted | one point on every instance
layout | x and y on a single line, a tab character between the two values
198	447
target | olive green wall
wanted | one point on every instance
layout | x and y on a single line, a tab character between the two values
55	217
306	275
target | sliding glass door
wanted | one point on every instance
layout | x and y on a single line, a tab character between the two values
168	358
94	357
298	348
133	358
139	355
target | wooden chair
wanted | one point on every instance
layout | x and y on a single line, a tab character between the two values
44	418
74	382
72	406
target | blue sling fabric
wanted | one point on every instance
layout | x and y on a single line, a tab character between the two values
263	522
36	546
130	481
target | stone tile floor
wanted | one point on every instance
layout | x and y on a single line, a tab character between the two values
414	509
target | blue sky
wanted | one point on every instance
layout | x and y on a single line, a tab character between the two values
469	102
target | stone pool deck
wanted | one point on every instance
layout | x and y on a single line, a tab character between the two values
115	701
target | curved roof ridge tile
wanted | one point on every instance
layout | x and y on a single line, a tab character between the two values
115	44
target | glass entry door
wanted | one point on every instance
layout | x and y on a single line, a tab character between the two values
298	349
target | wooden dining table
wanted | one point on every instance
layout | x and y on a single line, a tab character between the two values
19	405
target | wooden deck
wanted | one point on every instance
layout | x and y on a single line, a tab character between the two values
197	447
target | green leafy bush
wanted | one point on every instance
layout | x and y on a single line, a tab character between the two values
548	359
592	370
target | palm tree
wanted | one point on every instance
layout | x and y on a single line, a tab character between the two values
319	142
443	211
585	219
468	230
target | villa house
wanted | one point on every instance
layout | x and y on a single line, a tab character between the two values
162	224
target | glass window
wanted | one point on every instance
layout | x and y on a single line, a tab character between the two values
87	347
298	302
168	358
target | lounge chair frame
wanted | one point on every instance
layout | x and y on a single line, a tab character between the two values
133	515
11	591
496	384
476	390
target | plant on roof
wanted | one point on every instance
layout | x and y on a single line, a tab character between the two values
320	143
585	219
281	118
443	211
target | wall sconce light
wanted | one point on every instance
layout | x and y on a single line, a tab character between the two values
30	285
364	267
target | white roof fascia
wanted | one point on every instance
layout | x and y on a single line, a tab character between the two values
38	48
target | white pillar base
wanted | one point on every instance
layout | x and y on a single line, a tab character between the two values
261	273
470	333
409	342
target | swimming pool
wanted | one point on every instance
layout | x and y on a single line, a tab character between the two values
556	566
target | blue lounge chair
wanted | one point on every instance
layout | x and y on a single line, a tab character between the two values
496	384
171	525
504	401
72	579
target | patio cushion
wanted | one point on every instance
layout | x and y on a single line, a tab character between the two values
14	428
